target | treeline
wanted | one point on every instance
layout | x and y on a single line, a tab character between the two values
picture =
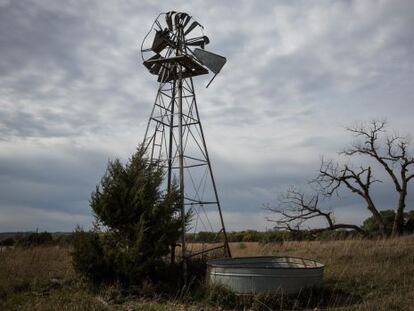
369	226
271	236
49	239
29	239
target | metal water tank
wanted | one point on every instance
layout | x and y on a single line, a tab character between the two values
245	275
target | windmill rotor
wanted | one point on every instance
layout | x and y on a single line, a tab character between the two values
175	38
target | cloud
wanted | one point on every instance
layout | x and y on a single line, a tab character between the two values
73	94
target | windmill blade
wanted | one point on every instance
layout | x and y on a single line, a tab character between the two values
187	19
168	20
177	19
180	17
212	61
199	41
161	41
158	24
192	26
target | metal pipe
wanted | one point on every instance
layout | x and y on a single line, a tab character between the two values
170	143
181	153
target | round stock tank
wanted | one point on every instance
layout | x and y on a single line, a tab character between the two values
245	275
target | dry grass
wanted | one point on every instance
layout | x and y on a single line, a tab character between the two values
380	272
362	274
33	269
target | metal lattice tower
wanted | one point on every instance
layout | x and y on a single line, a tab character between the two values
174	133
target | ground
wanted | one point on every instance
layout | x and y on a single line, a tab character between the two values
359	274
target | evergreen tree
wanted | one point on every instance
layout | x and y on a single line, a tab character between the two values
140	221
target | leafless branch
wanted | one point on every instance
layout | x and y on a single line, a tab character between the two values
295	208
359	181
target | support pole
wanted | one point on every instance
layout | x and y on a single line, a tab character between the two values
170	143
181	155
226	243
170	159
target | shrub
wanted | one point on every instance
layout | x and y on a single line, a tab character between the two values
7	242
275	236
409	222
63	239
35	239
89	258
141	224
371	226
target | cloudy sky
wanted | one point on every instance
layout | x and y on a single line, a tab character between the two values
73	94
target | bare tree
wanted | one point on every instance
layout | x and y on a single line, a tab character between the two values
333	175
392	153
295	209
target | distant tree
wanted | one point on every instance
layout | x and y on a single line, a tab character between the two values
205	237
63	239
35	239
140	221
409	221
371	225
251	236
273	236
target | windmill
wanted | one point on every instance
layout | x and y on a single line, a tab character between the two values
174	51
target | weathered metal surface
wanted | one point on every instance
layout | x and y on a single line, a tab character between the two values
212	61
246	275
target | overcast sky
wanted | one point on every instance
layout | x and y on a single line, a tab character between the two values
73	94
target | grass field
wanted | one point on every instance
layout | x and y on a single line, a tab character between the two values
359	275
